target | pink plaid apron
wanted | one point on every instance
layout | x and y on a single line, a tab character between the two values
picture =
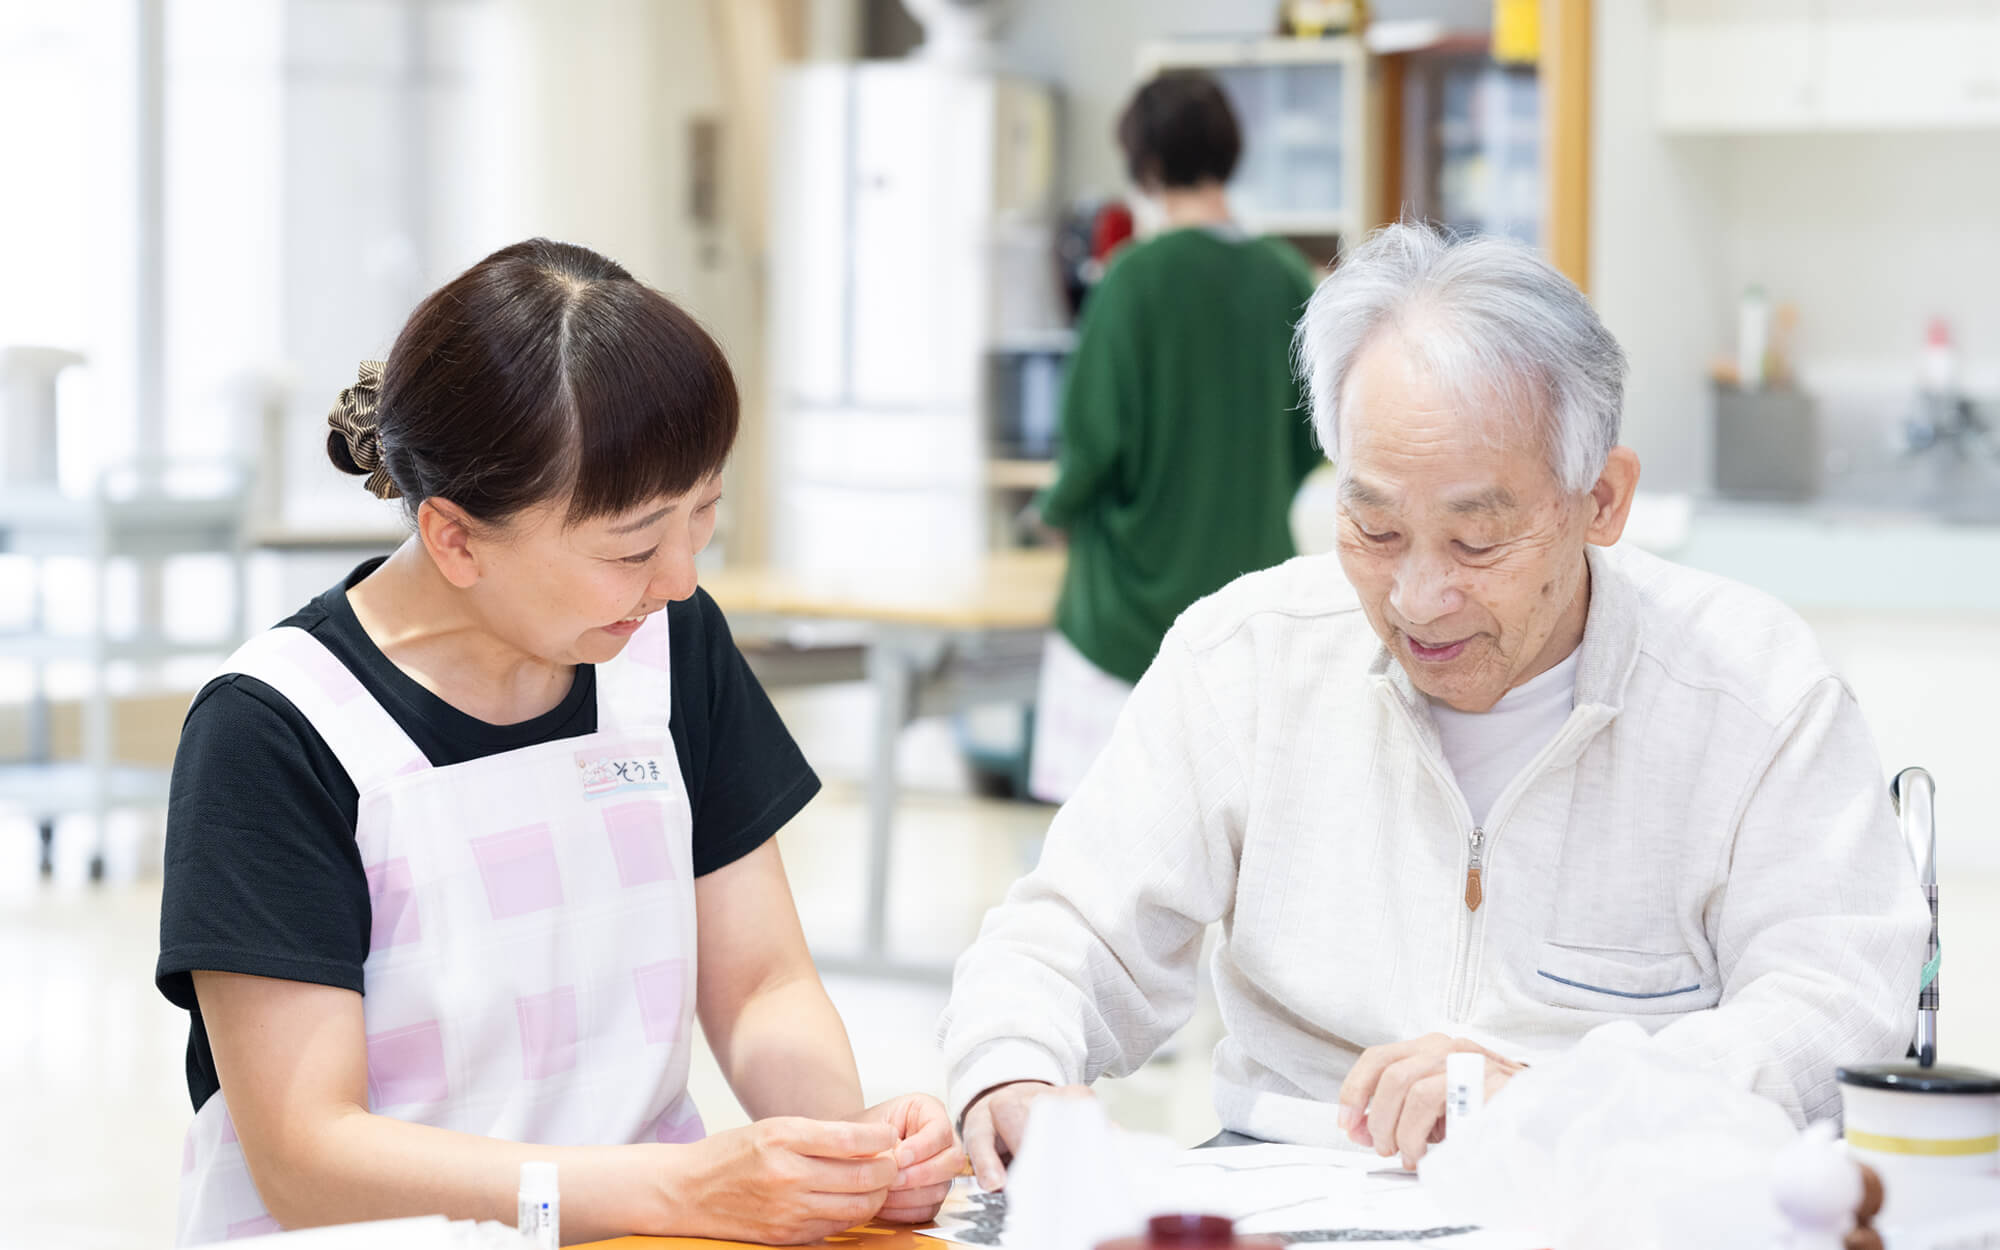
530	972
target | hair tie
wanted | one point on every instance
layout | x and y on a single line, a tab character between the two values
354	418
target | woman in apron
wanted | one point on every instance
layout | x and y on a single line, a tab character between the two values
458	853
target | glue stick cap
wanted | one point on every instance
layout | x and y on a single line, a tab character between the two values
538	1182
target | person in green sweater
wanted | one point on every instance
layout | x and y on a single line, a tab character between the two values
1184	432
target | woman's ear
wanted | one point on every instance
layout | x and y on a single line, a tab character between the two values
447	533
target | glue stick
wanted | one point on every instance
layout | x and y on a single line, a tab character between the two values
1464	1088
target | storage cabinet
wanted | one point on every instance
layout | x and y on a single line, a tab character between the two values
1762	66
1930	62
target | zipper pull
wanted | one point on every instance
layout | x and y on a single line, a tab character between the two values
1474	893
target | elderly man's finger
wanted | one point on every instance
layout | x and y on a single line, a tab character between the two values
982	1148
1359	1087
1010	1115
1385	1109
1423	1109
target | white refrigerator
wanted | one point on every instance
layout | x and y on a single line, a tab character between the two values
911	227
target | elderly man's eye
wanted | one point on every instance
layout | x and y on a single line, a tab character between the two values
1386	536
1475	552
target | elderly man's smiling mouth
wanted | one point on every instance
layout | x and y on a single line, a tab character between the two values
1440	653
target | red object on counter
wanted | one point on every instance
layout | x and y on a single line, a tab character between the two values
1192	1232
1110	231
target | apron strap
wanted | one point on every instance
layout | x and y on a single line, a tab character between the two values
369	743
635	690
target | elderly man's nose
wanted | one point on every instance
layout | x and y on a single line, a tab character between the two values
1425	591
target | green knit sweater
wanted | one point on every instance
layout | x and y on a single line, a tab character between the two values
1184	436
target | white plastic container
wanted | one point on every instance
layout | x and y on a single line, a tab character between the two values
1940	360
1753	338
538	1209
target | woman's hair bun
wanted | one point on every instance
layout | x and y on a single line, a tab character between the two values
354	435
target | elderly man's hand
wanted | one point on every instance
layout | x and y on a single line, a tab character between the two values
998	1119
1393	1097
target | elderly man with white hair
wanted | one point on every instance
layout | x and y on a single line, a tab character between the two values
1479	780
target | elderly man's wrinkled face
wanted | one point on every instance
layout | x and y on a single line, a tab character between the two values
1466	551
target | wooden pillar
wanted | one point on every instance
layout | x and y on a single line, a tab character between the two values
1566	103
755	41
1388	206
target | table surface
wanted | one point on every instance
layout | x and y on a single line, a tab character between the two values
870	1238
1007	590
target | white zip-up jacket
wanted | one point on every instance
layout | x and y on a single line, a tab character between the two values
1706	847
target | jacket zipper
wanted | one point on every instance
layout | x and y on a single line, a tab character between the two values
1461	973
1474	892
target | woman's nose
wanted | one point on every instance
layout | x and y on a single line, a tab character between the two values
674	578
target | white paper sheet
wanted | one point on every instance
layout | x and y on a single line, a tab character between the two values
1307	1194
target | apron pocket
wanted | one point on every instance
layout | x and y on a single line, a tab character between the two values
1620	982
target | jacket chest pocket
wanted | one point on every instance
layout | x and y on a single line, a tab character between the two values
1622	982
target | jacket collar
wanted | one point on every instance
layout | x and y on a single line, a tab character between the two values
1605	658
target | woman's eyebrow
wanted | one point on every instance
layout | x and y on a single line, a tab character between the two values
643	521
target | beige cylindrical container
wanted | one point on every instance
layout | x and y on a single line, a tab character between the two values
1903	1119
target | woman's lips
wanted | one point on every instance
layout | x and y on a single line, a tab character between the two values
627	627
1442	654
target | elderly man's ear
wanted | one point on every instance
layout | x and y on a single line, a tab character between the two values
1612	497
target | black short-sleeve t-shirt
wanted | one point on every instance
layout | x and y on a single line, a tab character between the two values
263	875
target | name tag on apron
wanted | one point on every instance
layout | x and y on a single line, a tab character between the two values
631	766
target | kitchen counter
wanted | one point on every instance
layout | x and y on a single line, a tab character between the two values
1843	555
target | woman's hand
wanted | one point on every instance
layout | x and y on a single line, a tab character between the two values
927	1157
783	1181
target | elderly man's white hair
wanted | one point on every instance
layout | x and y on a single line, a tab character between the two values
1489	321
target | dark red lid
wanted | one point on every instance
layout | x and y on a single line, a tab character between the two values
1189	1230
1192	1232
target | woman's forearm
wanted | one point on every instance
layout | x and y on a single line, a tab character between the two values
352	1165
787	1053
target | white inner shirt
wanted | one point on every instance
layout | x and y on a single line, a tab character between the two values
1486	750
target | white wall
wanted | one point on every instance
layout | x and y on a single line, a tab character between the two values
68	113
521	118
1656	272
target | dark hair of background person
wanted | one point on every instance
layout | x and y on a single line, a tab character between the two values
1179	131
546	371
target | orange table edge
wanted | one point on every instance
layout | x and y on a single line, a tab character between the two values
867	1238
